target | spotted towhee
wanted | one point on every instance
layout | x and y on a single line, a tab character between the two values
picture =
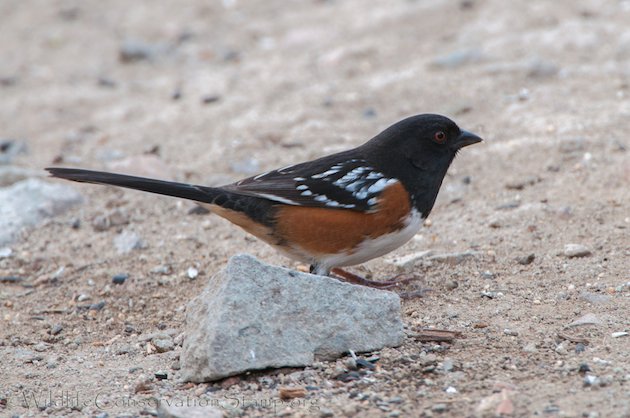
335	211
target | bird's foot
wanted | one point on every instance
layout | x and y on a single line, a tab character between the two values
356	279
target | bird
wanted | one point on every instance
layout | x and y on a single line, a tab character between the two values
336	211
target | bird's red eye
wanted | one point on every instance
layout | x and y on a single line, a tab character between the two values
439	137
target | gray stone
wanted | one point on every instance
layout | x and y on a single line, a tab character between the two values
587	319
576	250
253	316
162	345
595	298
132	50
128	241
29	202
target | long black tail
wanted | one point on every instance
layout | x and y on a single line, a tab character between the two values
168	188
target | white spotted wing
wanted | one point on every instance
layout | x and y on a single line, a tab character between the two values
332	183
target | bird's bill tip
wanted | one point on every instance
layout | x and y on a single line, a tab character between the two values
466	138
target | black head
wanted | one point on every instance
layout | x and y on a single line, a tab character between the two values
418	150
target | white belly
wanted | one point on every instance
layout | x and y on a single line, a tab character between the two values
372	248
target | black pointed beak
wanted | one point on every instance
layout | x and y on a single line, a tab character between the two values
464	139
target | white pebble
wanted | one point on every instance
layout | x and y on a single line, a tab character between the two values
192	272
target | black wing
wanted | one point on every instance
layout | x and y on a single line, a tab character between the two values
330	182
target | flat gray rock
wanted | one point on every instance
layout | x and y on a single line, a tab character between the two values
254	316
28	202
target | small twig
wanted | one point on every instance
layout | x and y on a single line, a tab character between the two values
439	335
572	338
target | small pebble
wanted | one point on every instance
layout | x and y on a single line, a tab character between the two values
450	390
451	285
362	363
525	260
439	407
510	332
619	334
128	241
97	306
369	113
210	98
595	298
590	380
192	273
580	348
576	251
41	346
132	51
120	278
351	364
530	348
56	329
163	345
584	368
326	413
83	297
447	365
161	375
561	348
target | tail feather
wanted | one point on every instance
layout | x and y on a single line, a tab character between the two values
168	188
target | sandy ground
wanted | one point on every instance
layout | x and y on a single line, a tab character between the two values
222	90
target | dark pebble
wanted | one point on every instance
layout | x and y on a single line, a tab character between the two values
580	348
311	388
97	306
525	260
5	145
106	82
369	113
551	409
509	205
132	51
120	278
349	376
76	223
198	210
467	180
362	363
11	279
177	94
231	56
161	375
584	368
211	98
9	148
92	307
